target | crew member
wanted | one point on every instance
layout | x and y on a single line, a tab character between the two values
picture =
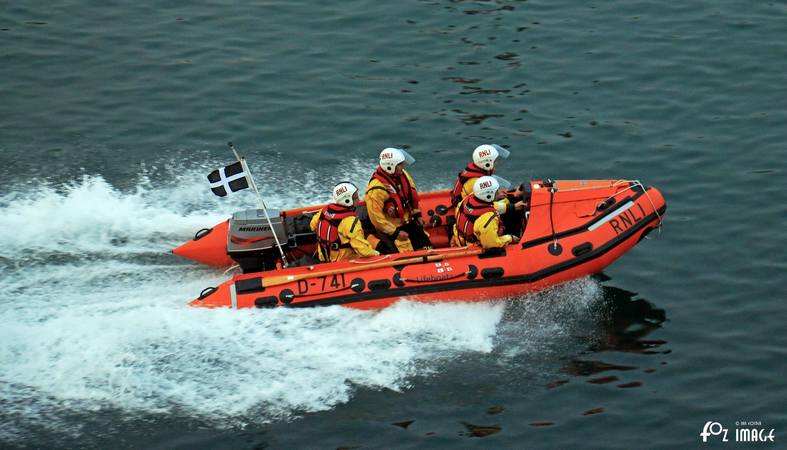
478	219
339	232
392	203
484	162
485	159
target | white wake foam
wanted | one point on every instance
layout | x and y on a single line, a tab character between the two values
93	313
90	216
231	364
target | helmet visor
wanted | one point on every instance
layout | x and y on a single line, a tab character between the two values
408	159
505	185
501	152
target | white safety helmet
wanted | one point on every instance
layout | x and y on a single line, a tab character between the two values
391	157
343	193
485	188
484	156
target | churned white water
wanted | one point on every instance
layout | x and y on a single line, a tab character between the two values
94	315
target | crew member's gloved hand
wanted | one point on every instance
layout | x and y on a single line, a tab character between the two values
519	192
418	219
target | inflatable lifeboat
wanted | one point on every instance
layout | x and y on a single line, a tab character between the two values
574	228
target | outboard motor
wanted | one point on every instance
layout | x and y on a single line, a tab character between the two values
250	240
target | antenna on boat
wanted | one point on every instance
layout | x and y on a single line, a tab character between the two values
242	161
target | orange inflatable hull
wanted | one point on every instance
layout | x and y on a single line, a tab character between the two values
575	230
209	246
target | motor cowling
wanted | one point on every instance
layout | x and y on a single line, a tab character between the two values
251	242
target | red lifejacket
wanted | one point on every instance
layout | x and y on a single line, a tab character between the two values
402	196
471	171
328	228
470	209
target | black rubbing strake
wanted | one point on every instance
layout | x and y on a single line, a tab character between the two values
376	285
266	302
249	285
492	272
581	249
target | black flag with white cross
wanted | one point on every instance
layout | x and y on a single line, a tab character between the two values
228	179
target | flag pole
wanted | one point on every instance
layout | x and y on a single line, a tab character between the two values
262	202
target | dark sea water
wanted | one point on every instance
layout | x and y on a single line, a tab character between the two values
112	113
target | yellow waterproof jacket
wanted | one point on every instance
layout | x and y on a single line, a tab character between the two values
485	230
467	189
375	201
350	232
